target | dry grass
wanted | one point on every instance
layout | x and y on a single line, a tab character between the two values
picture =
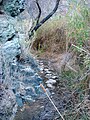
51	37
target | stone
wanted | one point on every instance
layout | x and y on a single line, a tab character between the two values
7	30
30	91
39	79
27	98
47	71
51	81
8	106
19	100
41	69
47	6
49	85
14	7
19	75
22	90
48	75
11	49
1	72
28	69
54	77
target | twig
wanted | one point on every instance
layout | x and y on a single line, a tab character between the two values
52	101
71	68
80	49
39	14
31	32
85	75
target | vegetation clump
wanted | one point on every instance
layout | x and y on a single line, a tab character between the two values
70	33
58	33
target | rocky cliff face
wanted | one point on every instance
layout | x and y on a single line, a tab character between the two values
14	7
47	6
11	37
8	104
19	78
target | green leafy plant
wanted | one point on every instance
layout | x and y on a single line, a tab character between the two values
78	23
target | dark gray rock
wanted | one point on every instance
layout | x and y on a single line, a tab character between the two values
46	6
7	30
14	7
18	74
8	104
19	100
11	49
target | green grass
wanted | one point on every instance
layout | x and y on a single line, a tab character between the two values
78	23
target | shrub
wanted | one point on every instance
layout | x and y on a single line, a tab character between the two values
78	27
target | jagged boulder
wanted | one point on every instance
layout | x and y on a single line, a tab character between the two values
8	104
46	7
7	31
14	7
9	46
11	49
17	73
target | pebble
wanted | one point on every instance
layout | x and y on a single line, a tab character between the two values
54	77
28	98
53	93
42	107
48	76
46	69
42	72
49	85
22	92
41	63
41	69
51	81
48	72
28	69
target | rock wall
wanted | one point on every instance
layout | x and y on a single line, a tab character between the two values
10	48
46	7
8	104
19	78
14	7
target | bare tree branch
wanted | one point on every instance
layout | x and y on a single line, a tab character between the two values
37	18
44	19
39	14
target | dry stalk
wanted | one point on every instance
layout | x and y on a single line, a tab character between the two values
81	49
51	101
71	68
